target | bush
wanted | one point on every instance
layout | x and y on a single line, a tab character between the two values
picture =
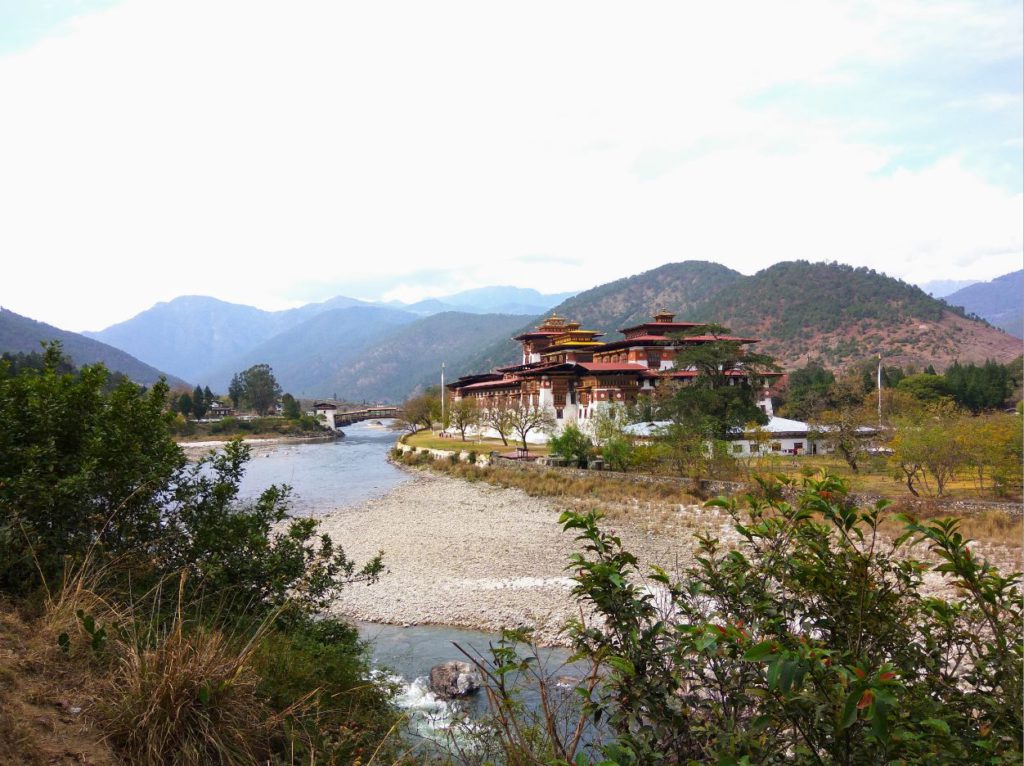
811	642
618	454
573	445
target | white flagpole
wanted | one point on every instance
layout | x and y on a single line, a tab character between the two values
879	390
442	396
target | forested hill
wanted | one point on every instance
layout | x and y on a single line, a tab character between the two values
679	286
21	334
840	314
999	302
827	311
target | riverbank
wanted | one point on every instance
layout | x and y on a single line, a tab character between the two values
197	449
473	555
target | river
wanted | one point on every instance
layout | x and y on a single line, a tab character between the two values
328	475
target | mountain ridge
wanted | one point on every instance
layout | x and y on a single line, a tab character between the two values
22	334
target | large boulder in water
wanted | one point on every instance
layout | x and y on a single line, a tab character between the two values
454	679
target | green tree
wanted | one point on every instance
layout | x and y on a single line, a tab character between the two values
259	388
572	445
290	407
926	388
724	393
618	453
185	404
199	403
78	466
208	396
807	392
236	390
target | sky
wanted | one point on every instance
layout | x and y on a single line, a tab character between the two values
275	153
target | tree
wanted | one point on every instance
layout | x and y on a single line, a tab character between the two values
236	391
199	403
526	417
725	391
572	445
419	412
185	404
807	392
608	423
845	427
934	443
290	407
498	417
208	396
79	465
259	388
463	414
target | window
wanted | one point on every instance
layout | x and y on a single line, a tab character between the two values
737	448
558	414
776	447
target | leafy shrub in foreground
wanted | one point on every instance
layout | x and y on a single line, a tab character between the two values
811	642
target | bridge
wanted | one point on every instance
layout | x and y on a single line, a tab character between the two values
338	418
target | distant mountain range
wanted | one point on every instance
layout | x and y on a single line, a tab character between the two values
20	334
940	288
825	311
998	302
356	350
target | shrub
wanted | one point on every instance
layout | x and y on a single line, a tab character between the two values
811	642
573	445
618	454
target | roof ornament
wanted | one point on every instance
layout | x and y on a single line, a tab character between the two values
664	316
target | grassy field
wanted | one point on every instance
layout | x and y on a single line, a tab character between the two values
876	476
431	440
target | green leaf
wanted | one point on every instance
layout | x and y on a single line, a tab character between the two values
761	651
621	664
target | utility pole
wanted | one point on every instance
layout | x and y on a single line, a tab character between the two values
442	395
879	390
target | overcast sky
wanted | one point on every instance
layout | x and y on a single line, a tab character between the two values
278	153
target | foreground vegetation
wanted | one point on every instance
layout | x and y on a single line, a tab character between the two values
185	621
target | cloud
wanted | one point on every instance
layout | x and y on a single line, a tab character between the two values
269	154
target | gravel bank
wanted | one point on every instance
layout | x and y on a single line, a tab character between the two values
474	555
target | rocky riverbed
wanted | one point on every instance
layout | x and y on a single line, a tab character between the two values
478	556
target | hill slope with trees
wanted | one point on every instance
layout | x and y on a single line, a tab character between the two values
802	311
19	334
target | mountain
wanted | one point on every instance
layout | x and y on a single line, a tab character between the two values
21	334
193	334
505	300
940	288
801	311
677	286
408	359
311	357
488	300
999	302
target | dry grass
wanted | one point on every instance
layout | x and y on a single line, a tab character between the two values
430	440
41	699
188	700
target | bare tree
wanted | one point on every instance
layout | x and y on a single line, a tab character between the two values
498	416
463	414
418	412
527	417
